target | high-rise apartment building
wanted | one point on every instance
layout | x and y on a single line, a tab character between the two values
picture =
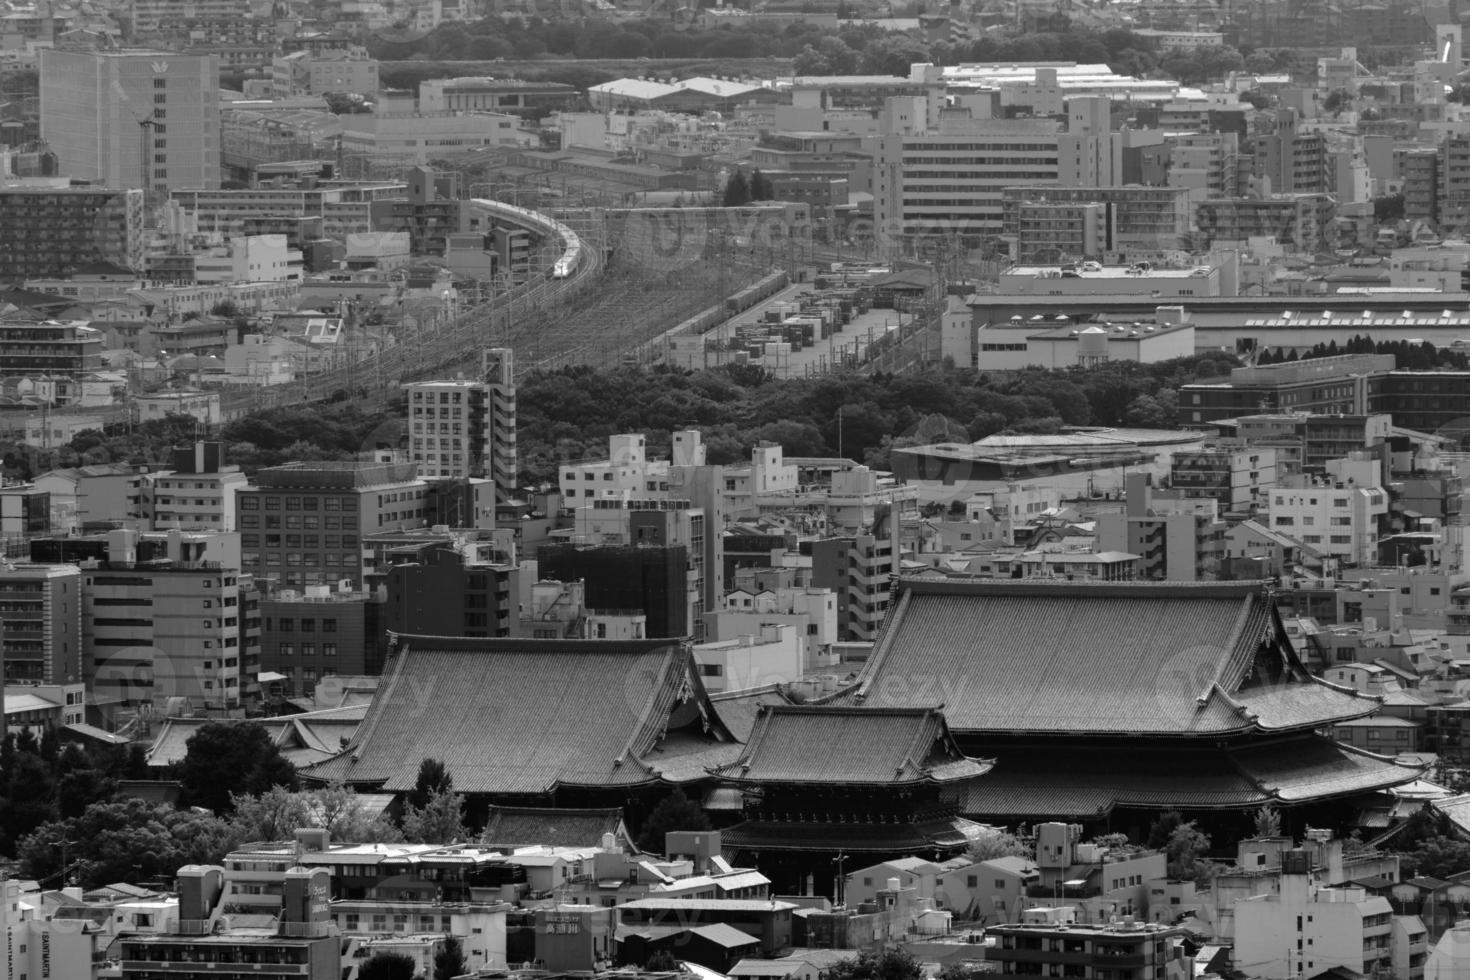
167	617
46	232
41	607
132	118
459	429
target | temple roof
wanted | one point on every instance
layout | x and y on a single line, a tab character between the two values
1043	657
885	838
1089	782
524	717
870	746
509	827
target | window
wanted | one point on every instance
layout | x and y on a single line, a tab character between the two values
329	649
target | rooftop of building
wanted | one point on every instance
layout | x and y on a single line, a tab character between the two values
1099	271
1027	629
886	747
529	716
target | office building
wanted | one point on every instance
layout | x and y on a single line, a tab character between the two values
317	632
1344	385
948	175
41	606
132	118
58	231
302	523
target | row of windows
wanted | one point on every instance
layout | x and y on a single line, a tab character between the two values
302	522
300	541
307	649
251	501
251	559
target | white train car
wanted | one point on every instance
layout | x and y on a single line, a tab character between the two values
569	241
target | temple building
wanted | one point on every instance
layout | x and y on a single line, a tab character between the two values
819	783
565	723
1104	703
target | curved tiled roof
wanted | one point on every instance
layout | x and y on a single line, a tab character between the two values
1088	782
1044	657
523	717
877	746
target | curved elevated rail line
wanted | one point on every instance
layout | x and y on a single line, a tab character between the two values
575	268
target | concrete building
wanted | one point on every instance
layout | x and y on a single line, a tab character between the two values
1177	539
1307	928
62	352
166	617
58	231
947	174
36	946
198	493
460	429
1341	515
772	655
1128	218
308	635
812	612
302	523
132	118
1046	939
1342	385
481	94
83	495
398	140
1018	344
42	610
344	70
464	588
1237	477
1300	220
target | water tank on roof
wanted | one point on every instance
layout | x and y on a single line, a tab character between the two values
1093	340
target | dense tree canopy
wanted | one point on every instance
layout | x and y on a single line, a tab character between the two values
225	760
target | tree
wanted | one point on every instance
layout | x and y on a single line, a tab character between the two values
662	961
449	962
999	844
1438	857
1145	412
440	821
1337	100
273	815
225	758
1254	98
1185	854
760	187
737	191
387	966
1268	821
890	963
433	778
1388	208
674	812
124	840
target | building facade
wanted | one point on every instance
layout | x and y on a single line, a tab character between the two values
132	118
54	232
